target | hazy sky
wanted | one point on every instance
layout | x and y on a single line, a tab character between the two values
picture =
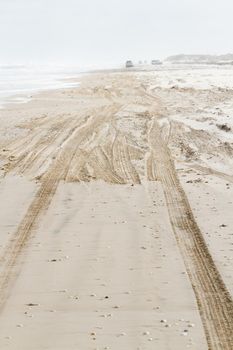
106	31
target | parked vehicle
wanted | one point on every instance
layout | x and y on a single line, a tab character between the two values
129	64
156	62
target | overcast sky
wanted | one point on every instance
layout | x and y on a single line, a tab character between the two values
108	31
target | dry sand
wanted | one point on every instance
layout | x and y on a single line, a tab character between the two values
116	215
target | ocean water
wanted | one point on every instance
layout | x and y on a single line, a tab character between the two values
18	83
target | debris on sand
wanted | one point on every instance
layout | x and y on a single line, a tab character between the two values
163	321
146	333
224	127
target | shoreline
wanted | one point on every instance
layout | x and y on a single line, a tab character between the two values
27	95
24	95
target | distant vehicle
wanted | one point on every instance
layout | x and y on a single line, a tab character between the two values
156	62
129	64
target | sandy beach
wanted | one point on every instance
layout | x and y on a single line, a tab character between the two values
116	214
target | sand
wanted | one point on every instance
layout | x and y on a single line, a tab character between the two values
115	215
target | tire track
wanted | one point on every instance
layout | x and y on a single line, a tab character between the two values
80	152
49	182
213	299
129	169
27	152
38	206
122	161
210	171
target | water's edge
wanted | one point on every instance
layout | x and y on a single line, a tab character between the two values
19	84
